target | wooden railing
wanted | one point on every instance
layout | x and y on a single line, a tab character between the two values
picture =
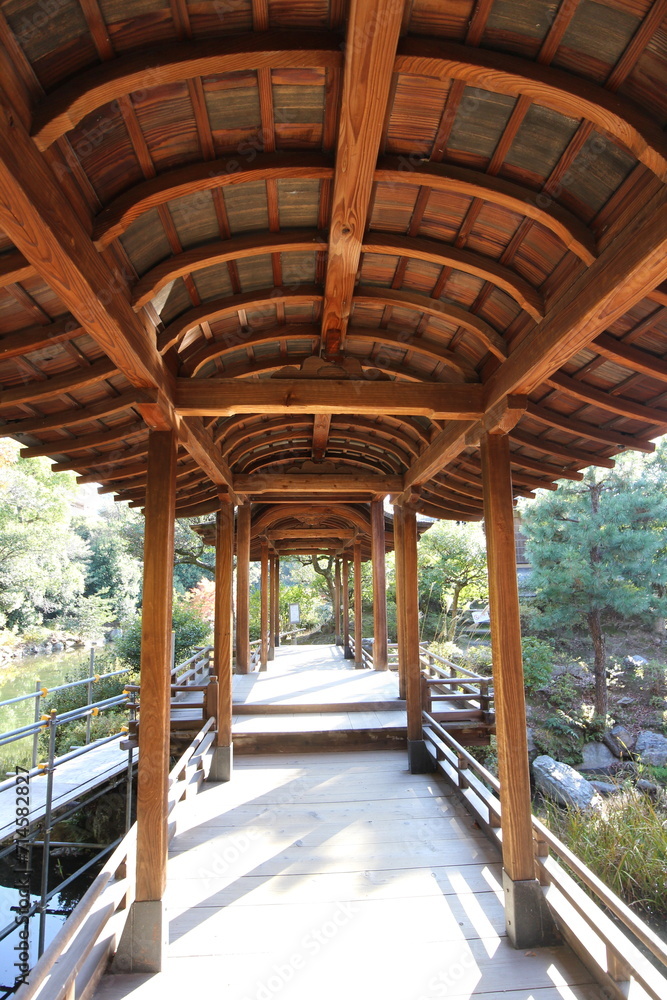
193	671
78	955
451	692
614	954
255	653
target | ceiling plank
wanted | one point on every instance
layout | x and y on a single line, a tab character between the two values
34	338
85	441
264	482
66	106
372	35
402	171
225	397
563	92
58	385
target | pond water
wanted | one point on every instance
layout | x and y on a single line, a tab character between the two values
20	677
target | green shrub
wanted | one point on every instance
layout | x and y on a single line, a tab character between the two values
192	631
560	736
478	658
538	659
104	724
624	844
564	693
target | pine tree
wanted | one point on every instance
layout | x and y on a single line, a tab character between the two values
597	549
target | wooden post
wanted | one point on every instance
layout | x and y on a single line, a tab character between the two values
337	602
345	585
418	758
400	603
221	766
272	607
264	605
243	589
276	598
526	914
143	946
358	614
379	586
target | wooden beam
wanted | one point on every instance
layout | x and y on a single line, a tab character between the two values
557	89
626	270
445	446
517	845
321	425
372	34
345	610
14	268
223	625
616	404
225	397
565	452
276	600
69	446
433	252
58	385
399	552
411	171
409	616
310	533
202	353
36	338
70	418
208	175
243	589
338	607
273	605
152	781
582	428
222	252
458	363
630	357
199	443
261	482
167	63
378	547
446	311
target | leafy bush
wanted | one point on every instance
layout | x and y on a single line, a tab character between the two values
104	724
625	844
191	631
538	659
560	736
478	658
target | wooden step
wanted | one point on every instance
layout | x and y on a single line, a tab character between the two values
283	708
329	741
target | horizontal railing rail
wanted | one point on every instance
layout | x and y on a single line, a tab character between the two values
454	689
612	952
78	955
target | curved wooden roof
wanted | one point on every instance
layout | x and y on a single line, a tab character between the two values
333	244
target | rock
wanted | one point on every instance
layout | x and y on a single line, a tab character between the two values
58	647
652	748
114	633
620	741
648	787
605	788
624	702
564	785
532	745
635	661
597	759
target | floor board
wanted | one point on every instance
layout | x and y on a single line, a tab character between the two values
340	876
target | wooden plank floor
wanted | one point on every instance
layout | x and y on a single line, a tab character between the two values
339	875
72	780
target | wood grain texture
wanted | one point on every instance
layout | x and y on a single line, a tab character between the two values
211	175
586	429
58	385
321	426
410	620
261	483
378	546
449	178
570	95
35	338
372	34
238	248
152	780
224	397
14	268
264	605
65	107
434	252
357	600
510	707
243	518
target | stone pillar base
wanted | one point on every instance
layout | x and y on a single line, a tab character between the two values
419	759
528	919
222	764
143	943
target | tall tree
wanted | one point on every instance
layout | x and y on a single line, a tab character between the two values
452	562
597	550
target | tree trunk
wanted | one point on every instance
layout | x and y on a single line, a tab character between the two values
453	613
600	665
328	573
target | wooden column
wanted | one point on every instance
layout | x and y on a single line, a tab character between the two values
400	604
276	598
507	662
242	589
379	586
264	605
419	759
222	640
527	917
272	607
144	945
358	619
345	585
337	601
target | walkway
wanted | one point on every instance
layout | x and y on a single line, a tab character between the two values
73	779
339	876
314	689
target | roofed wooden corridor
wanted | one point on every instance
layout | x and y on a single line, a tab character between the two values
339	874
